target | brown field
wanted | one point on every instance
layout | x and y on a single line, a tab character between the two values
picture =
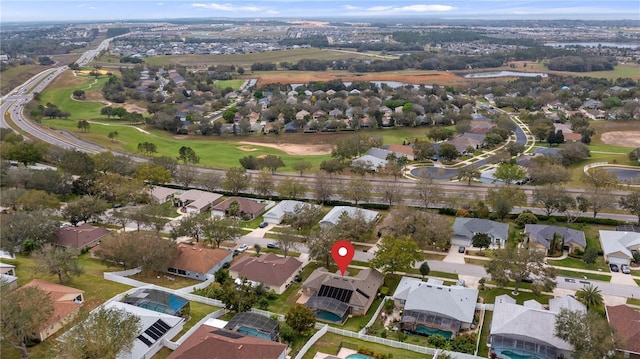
621	138
290	148
411	77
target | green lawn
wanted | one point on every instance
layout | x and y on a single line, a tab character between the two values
80	110
579	263
489	295
330	343
234	84
483	350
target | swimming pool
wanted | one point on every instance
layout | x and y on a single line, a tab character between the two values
358	356
513	355
328	316
253	332
421	329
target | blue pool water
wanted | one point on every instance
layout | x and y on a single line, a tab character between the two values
330	317
430	331
176	302
513	355
253	332
358	356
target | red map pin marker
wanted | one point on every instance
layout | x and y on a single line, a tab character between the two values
342	252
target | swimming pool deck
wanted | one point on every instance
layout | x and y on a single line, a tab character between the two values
342	354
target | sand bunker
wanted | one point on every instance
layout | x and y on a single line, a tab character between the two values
247	148
292	148
622	138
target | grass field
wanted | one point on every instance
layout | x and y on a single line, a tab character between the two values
61	96
330	344
246	60
234	84
620	71
17	75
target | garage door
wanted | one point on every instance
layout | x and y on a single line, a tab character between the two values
617	260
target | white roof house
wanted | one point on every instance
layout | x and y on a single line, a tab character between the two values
160	195
197	201
276	214
529	326
617	245
465	228
370	162
432	296
333	217
148	341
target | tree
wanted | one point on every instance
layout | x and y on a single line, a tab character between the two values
272	162
634	155
300	318
220	229
424	269
36	200
301	166
147	148
357	190
132	250
25	152
186	174
428	192
589	334
320	243
572	207
23	312
236	179
355	228
74	162
590	255
481	240
257	248
263	183
469	173
58	261
113	331
396	254
503	199
509	173
332	166
304	216
26	231
390	192
188	155
631	203
323	188
113	136
590	296
192	225
84	125
600	183
573	152
288	240
515	264
83	209
548	197
292	188
152	174
448	152
107	111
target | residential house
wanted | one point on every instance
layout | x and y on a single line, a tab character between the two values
595	114
626	322
8	269
528	330
291	127
462	144
371	163
302	114
160	195
572	137
274	272
155	327
283	209
219	343
255	325
432	308
541	236
67	302
465	228
197	201
8	276
401	150
198	262
333	217
84	235
618	246
249	208
334	297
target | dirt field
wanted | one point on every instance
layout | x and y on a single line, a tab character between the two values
411	77
622	138
289	148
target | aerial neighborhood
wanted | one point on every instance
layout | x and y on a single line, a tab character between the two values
183	188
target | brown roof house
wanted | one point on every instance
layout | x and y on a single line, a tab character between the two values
218	343
402	150
197	201
67	302
626	322
249	208
276	273
334	297
160	195
541	235
198	262
84	235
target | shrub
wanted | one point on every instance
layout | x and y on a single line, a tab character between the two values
439	341
590	255
525	218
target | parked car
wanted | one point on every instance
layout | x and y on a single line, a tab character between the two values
614	267
625	269
263	224
243	247
461	249
273	245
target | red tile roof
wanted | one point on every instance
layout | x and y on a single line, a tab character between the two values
196	258
626	322
246	205
211	343
80	236
62	298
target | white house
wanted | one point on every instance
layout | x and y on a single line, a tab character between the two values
276	214
333	217
618	246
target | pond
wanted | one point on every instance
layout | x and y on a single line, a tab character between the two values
489	74
593	44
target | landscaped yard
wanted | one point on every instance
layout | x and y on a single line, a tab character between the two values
330	343
483	350
489	295
165	280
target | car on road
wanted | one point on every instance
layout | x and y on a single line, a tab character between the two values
273	245
614	267
625	269
243	247
263	224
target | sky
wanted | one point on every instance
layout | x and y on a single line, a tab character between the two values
88	10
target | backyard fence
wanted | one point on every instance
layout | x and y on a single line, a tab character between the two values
312	341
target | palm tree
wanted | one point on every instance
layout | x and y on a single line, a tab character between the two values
590	296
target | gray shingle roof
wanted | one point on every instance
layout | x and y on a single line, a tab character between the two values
333	216
285	207
542	234
467	227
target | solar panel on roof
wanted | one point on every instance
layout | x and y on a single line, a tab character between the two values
158	329
162	324
227	334
144	340
343	295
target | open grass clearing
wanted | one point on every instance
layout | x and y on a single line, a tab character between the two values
619	71
483	349
234	84
331	343
17	75
165	280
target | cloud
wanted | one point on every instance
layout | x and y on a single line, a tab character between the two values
412	8
160	3
351	7
227	7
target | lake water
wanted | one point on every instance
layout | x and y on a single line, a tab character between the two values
504	74
593	44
